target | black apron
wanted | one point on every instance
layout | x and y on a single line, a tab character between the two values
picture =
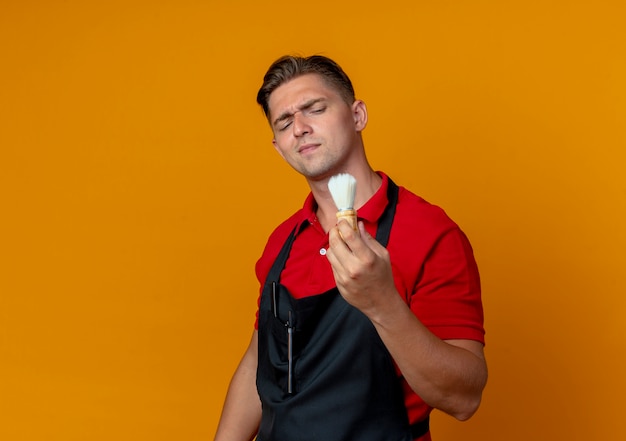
323	373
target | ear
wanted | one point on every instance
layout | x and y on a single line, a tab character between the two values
277	149
359	113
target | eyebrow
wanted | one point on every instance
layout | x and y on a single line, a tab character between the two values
306	105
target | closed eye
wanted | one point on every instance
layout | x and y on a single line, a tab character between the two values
318	110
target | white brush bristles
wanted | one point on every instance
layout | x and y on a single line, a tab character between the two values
343	190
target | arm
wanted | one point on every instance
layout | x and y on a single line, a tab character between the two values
241	414
449	375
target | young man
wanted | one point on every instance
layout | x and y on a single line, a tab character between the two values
359	333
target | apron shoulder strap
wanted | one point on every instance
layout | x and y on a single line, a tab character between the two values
386	220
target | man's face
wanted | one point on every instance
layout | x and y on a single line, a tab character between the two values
315	130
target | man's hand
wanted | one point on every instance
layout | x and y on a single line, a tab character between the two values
362	268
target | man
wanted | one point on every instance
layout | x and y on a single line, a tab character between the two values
361	333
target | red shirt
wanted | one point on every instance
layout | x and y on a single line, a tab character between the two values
432	260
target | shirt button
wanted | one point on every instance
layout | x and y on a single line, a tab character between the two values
323	251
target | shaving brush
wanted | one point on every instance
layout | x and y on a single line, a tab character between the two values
343	190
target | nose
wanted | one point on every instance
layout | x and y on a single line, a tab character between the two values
301	126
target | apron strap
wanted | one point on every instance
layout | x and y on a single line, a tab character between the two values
386	220
279	263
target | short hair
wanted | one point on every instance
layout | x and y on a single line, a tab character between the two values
288	67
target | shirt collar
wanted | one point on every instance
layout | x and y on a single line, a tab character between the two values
374	208
371	211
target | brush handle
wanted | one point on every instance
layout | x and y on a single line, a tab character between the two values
349	216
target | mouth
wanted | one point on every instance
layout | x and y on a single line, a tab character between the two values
307	148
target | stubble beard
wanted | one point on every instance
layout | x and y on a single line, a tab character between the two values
319	169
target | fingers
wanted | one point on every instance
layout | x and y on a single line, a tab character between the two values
361	269
351	250
345	243
360	243
338	251
342	233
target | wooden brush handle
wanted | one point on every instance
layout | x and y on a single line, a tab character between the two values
349	216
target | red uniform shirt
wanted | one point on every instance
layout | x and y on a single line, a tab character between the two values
433	267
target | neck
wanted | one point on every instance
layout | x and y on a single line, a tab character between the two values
368	182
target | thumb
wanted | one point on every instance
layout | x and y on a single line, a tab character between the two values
364	233
367	237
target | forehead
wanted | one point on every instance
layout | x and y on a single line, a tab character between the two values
306	87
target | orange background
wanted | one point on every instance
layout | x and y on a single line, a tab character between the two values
138	185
